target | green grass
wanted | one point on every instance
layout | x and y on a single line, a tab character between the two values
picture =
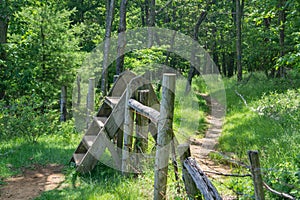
103	182
269	124
190	111
17	153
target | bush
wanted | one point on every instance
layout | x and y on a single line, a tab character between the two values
28	116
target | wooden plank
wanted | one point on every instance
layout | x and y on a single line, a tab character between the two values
121	83
112	101
116	118
203	184
100	121
94	153
145	111
78	157
88	140
93	129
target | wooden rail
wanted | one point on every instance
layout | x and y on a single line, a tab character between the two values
145	111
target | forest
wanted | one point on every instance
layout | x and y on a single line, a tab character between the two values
254	46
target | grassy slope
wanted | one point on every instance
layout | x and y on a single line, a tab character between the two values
270	124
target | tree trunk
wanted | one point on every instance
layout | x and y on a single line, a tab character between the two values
281	22
230	65
151	22
143	14
63	104
238	40
121	38
109	19
192	70
3	40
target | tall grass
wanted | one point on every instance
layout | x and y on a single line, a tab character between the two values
270	124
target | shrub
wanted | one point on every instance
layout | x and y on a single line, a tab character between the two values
28	116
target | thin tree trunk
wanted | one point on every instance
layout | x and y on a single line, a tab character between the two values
151	22
109	19
238	41
63	104
281	22
143	14
192	70
121	38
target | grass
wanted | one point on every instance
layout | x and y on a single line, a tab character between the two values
103	182
270	124
17	153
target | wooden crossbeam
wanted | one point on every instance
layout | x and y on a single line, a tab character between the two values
145	111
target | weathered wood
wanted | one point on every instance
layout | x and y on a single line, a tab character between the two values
120	139
164	136
95	152
144	110
121	83
78	79
203	184
112	101
142	128
116	118
90	101
128	130
63	104
256	175
190	186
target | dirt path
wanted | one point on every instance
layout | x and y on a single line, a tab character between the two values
32	182
200	148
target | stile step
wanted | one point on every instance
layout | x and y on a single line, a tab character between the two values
88	140
78	157
112	101
100	121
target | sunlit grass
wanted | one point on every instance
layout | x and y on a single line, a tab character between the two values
269	123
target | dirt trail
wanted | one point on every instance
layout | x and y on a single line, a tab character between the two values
200	148
32	182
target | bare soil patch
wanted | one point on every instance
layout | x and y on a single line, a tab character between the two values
200	148
32	182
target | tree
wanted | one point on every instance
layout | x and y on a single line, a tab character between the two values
193	71
110	6
121	38
43	54
239	40
281	24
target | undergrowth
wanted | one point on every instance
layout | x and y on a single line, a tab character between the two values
269	123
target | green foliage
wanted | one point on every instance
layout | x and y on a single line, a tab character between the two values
42	54
283	107
269	124
27	117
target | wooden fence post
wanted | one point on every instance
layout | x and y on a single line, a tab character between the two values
90	101
128	130
142	123
164	135
78	79
63	104
256	175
